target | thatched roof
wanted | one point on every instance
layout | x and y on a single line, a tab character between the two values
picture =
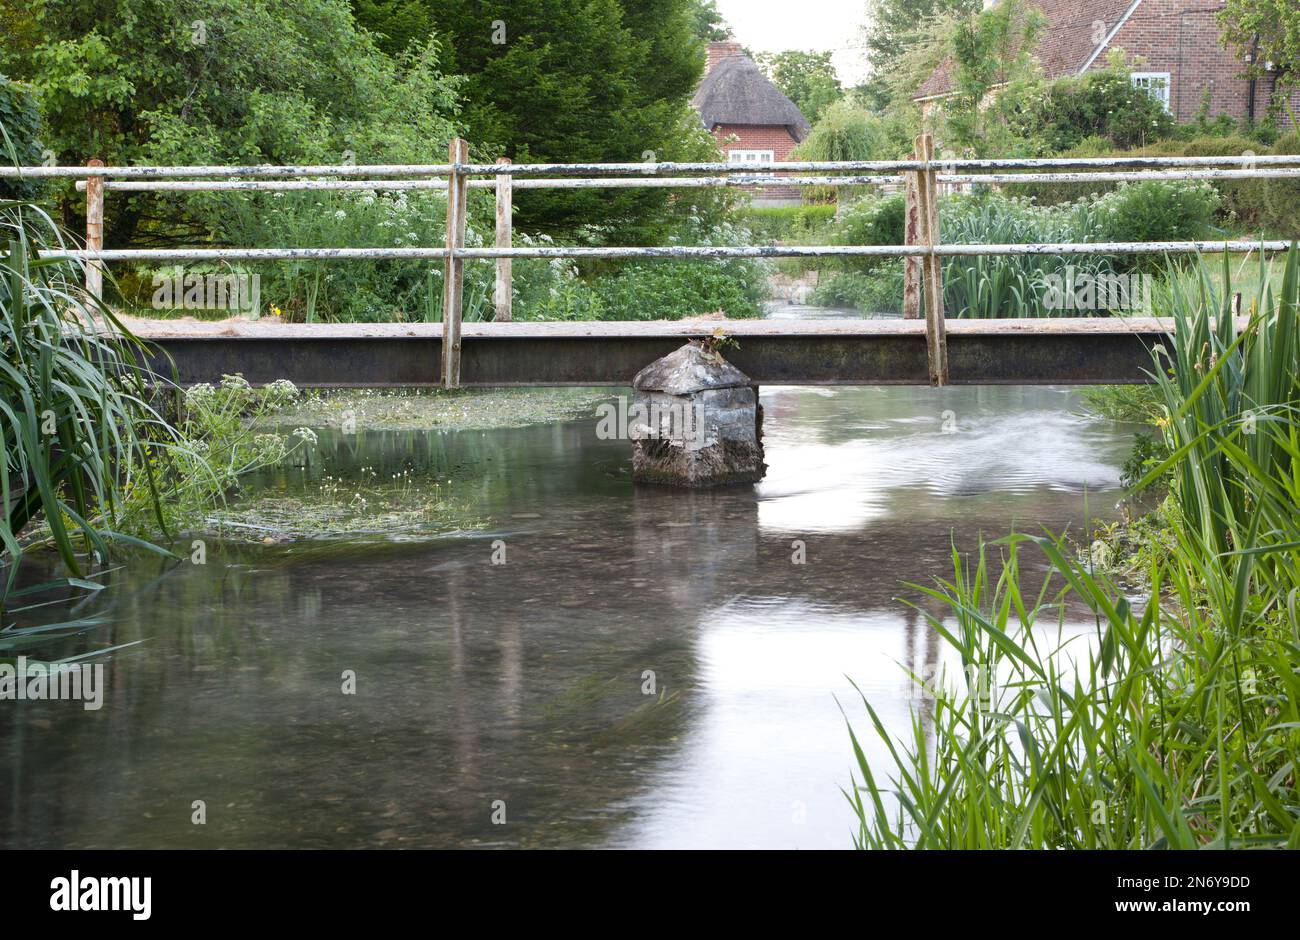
737	92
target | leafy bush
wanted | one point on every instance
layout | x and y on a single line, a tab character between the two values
1099	104
1152	211
1251	205
649	290
874	220
1278	215
670	290
877	292
791	224
551	289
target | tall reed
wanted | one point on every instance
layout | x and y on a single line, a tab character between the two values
77	427
1175	721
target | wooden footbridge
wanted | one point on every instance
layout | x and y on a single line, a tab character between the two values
922	348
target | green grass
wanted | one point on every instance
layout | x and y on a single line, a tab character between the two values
1247	274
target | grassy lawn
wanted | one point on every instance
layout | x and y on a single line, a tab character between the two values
1246	272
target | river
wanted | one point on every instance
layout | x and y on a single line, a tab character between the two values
648	668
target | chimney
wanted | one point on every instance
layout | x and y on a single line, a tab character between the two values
720	50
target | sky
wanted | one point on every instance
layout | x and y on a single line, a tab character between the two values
820	25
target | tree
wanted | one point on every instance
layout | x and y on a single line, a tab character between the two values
20	131
225	81
806	78
397	24
1269	30
893	28
992	52
846	132
707	23
583	81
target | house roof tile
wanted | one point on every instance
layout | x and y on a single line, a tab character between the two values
1074	30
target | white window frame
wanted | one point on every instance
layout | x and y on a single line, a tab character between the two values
1147	81
756	158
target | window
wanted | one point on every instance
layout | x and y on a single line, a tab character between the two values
754	158
1155	84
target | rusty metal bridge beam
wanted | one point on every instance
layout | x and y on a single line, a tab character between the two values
828	352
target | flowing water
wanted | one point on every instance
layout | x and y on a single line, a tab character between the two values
648	668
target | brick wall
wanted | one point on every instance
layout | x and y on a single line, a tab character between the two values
1287	100
1182	37
772	137
720	50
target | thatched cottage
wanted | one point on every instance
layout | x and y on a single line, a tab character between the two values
754	123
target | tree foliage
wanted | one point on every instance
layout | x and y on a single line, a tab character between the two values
226	81
992	51
894	28
582	81
20	131
707	22
848	132
1274	25
397	24
806	78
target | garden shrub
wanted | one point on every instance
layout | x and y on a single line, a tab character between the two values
1263	206
1281	198
873	220
1064	113
1155	210
880	291
671	290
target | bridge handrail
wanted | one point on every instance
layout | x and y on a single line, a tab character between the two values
676	251
922	177
892	167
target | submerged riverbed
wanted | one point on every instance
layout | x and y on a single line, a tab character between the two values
648	668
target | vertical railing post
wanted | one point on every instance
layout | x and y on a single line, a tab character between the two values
95	232
453	290
936	336
504	293
912	266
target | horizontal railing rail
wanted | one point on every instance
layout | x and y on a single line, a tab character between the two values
921	176
892	167
682	251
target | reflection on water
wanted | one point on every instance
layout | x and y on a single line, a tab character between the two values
527	682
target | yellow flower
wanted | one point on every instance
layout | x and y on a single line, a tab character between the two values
275	311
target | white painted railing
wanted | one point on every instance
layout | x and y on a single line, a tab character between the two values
922	177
